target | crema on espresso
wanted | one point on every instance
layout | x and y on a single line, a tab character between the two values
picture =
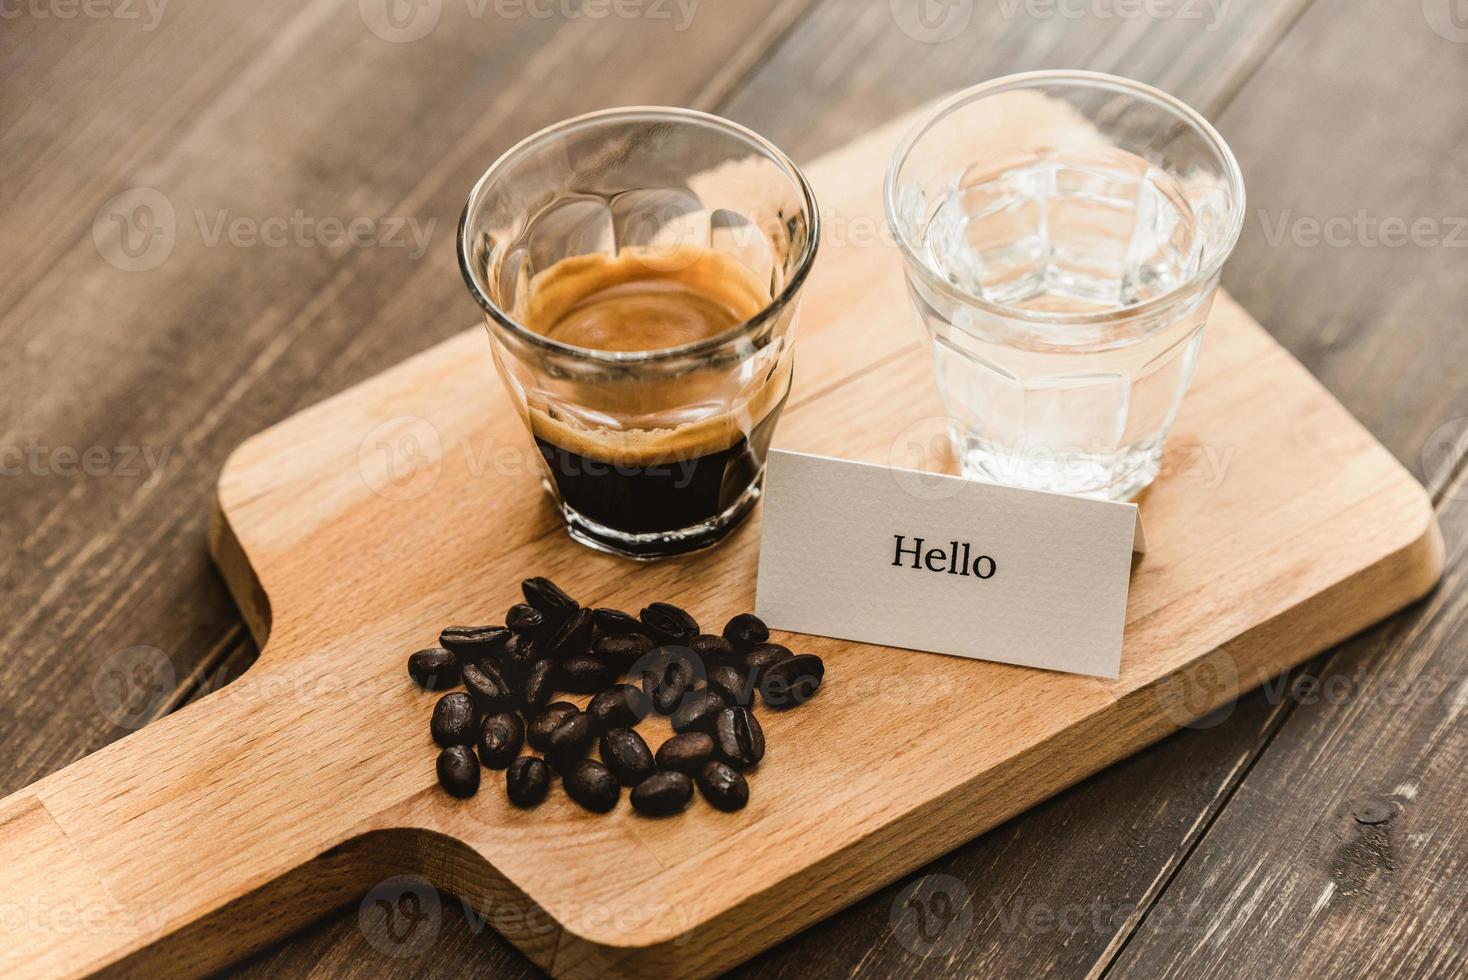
666	450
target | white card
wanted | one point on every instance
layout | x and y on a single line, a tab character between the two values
1015	576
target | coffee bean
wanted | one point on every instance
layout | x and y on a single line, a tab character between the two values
732	684
584	674
712	650
475	642
539	686
738	737
458	771
686	753
746	631
662	794
723	786
527	781
592	785
453	720
525	620
627	756
792	681
500	738
546	596
570	741
619	706
669	624
538	732
488	688
573	637
434	669
760	659
667	685
520	653
622	650
614	622
698	711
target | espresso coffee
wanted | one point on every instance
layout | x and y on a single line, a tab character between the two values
649	456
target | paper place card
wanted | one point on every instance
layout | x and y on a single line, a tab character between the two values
903	558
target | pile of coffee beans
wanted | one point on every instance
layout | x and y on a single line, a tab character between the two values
632	666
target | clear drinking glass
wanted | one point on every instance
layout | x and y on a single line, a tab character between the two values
1063	234
647	451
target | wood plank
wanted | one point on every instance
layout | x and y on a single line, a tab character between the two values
87	101
850	66
1371	96
311	111
1363	791
104	95
1274	565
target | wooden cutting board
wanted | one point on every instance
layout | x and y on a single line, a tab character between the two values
353	531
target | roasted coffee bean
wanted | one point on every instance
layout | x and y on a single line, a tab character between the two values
487	687
738	737
538	732
592	785
525	620
458	771
521	652
500	738
746	631
471	643
667	684
698	711
686	753
572	638
527	781
759	659
712	650
662	794
723	786
570	741
539	686
614	622
792	681
732	684
622	650
434	669
546	596
619	706
627	756
669	624
453	720
584	674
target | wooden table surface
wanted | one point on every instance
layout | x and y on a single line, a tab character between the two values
170	176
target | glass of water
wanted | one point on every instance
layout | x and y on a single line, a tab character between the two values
1063	234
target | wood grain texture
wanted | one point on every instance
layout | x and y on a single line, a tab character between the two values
1377	319
1363	870
295	108
1275	565
851	66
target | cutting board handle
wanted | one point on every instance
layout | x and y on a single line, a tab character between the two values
207	834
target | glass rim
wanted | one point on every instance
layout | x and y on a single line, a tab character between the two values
668	113
1093	79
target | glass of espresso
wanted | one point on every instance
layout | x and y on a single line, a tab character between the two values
640	272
